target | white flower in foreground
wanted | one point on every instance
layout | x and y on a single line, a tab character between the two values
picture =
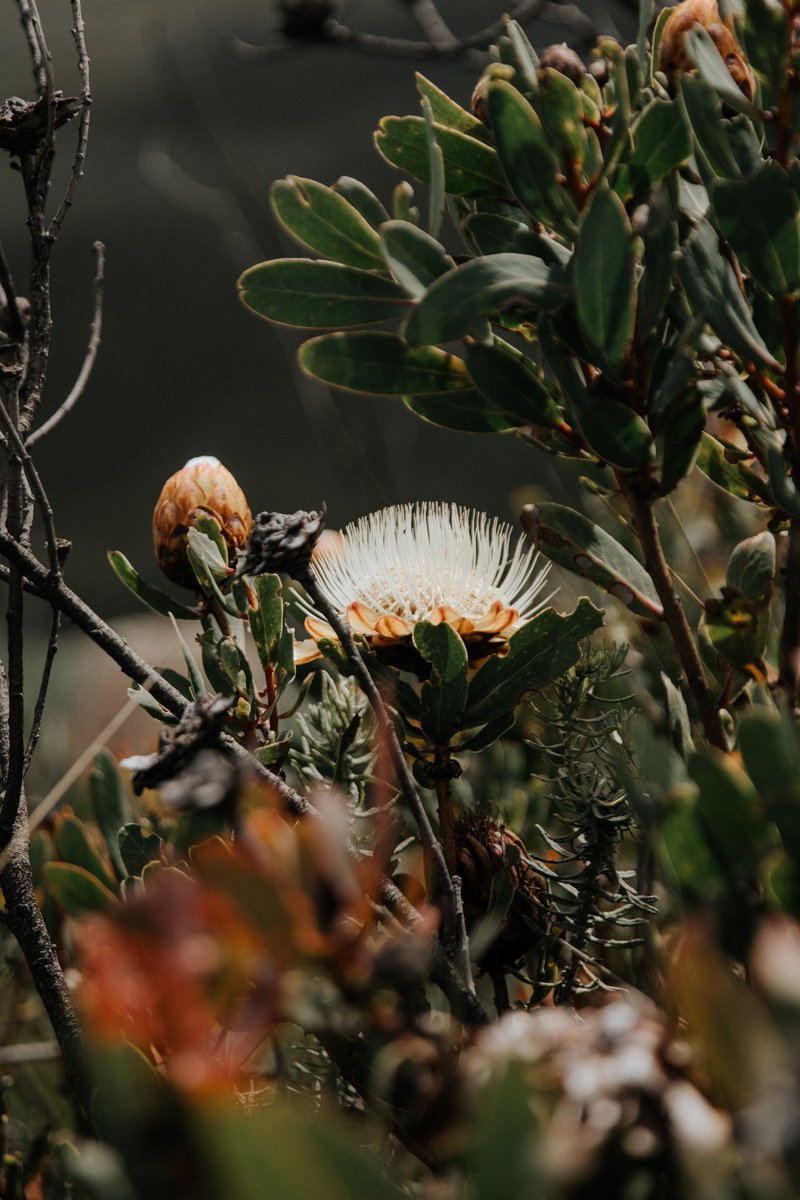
427	562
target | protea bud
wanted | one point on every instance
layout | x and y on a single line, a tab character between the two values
673	58
484	849
203	488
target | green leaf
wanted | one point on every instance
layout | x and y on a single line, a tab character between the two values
760	217
444	695
704	111
711	65
109	804
615	432
138	848
575	542
724	466
468	412
738	629
687	858
361	198
452	305
73	846
680	727
604	277
661	142
414	257
510	381
713	290
267	619
152	596
751	567
435	171
382	364
488	735
683	423
150	705
528	160
326	222
539	652
729	812
77	890
446	112
471	168
559	107
767	40
770	751
319	295
195	676
491	233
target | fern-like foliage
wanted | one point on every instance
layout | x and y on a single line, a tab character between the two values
598	902
336	743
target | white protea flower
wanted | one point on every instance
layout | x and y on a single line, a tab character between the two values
427	562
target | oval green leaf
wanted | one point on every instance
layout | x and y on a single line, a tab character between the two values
326	222
604	277
319	295
575	542
471	168
444	695
382	364
452	305
76	890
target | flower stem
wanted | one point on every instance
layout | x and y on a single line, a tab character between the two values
386	729
445	809
641	507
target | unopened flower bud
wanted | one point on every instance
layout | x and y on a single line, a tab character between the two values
203	488
563	59
673	57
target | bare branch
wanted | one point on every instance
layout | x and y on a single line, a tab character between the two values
79	386
15	321
36	486
44	683
78	34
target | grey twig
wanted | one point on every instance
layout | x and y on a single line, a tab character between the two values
95	332
16	326
44	684
36	486
78	33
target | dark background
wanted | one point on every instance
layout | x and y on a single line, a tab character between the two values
184	144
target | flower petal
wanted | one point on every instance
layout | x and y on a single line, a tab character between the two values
318	629
393	627
305	651
361	618
443	613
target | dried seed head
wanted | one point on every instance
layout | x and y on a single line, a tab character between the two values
283	542
484	849
203	488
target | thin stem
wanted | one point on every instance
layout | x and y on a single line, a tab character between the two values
386	727
95	332
36	486
698	562
445	808
656	565
44	683
78	33
17	326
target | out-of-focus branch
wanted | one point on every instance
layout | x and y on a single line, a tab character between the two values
306	22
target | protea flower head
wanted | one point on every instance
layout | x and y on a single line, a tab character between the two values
426	562
201	488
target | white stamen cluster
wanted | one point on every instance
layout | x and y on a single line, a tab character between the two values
409	559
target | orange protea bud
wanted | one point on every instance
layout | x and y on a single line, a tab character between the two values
203	488
673	58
